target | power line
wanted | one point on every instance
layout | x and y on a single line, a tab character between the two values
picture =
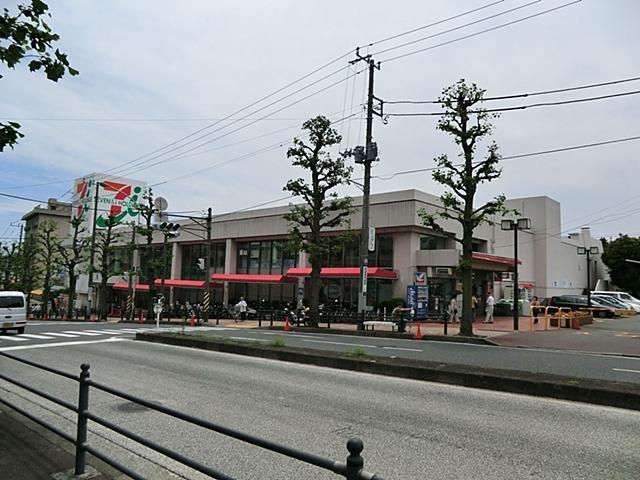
141	120
459	27
522	95
439	22
511	157
274	146
520	107
481	32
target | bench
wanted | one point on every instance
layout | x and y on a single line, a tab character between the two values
373	323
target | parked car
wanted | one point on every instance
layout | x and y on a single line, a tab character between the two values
13	311
579	302
625	308
622	296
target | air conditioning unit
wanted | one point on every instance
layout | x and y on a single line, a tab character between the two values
507	276
443	271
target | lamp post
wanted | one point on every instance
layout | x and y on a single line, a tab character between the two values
515	225
588	252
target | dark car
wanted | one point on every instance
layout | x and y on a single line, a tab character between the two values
579	302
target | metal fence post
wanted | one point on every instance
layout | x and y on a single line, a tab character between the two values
83	407
355	462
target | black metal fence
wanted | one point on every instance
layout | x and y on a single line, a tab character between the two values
351	469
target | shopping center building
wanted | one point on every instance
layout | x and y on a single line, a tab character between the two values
249	256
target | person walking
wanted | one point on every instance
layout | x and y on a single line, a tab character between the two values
241	307
535	308
490	303
453	309
474	307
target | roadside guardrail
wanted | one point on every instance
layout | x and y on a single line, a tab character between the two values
351	469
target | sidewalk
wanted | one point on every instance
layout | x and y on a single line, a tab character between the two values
30	452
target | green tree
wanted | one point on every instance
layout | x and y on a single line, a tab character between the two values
468	123
29	268
624	275
49	256
8	264
151	255
72	255
26	35
322	209
106	240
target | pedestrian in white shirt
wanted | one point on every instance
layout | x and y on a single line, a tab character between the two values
490	303
241	307
453	310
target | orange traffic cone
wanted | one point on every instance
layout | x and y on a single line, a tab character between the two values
193	319
64	316
287	325
93	317
140	317
45	317
418	333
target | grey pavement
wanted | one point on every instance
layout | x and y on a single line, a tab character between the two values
411	430
613	336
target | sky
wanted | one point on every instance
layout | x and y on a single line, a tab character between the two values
201	100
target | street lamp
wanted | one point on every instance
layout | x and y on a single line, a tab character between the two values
515	225
588	252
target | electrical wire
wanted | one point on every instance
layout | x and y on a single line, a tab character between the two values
439	22
522	95
459	27
511	157
481	32
519	107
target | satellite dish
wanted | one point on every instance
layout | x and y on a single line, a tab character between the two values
161	203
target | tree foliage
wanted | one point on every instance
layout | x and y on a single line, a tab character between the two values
72	255
624	275
322	209
48	253
106	240
152	256
26	35
468	123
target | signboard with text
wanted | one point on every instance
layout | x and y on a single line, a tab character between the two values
117	198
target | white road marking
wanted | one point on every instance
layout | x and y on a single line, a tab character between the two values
403	349
60	344
246	339
56	334
342	343
626	370
113	332
13	339
88	334
38	337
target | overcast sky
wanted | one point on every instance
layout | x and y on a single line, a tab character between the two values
152	72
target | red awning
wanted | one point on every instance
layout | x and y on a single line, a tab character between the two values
140	287
251	278
170	282
485	257
344	272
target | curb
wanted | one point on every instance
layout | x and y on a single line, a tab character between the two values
385	334
599	392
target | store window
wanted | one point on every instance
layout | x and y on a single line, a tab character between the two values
432	242
190	260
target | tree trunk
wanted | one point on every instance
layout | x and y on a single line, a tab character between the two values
72	294
466	322
314	284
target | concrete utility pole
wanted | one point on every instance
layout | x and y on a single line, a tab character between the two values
93	247
206	301
130	297
366	156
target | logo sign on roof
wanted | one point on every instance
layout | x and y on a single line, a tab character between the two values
117	198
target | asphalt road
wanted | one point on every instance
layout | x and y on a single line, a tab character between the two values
568	363
411	430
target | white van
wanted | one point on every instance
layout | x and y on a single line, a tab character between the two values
623	297
13	311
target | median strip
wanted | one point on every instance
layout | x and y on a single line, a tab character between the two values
601	392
